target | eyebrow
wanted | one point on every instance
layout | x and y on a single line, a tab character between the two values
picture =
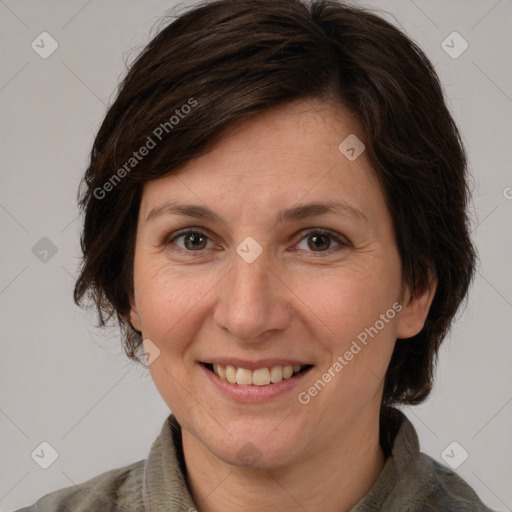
296	213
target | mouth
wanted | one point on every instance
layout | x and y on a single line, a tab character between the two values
265	376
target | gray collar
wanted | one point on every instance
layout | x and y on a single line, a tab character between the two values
410	480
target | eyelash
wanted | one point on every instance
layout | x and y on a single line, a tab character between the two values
314	231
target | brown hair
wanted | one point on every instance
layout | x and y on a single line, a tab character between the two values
230	59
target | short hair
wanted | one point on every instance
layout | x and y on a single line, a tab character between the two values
227	60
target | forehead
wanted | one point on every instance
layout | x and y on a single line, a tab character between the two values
284	155
303	129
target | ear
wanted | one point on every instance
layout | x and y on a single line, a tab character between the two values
415	309
134	316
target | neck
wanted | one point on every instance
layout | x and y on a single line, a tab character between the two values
335	478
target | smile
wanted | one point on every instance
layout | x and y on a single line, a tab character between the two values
258	377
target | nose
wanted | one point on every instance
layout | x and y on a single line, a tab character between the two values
253	302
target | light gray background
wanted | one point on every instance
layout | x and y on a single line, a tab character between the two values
64	382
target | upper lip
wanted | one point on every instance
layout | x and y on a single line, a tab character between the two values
254	365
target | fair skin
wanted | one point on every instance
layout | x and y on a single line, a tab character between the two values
199	301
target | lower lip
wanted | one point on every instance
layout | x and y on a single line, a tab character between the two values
251	393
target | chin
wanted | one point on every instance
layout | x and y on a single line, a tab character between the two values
255	444
258	454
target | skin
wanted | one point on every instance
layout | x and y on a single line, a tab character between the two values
293	301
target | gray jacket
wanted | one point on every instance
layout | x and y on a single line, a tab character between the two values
410	481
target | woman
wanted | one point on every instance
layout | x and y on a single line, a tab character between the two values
275	212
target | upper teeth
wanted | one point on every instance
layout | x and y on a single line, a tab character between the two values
259	377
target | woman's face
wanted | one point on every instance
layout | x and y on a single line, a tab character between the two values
264	284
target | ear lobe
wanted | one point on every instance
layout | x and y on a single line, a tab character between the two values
134	316
415	309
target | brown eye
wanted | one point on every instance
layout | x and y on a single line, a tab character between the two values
318	241
192	241
321	241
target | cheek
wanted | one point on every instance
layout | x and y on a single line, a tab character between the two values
346	302
357	311
164	299
173	303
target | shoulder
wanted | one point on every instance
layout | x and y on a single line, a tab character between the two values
413	481
448	491
112	491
